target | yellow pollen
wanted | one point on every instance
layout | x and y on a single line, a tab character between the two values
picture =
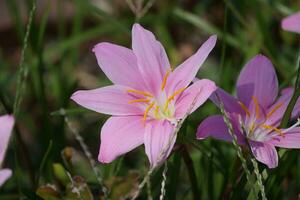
244	108
177	92
256	107
274	109
138	101
147	111
156	112
163	85
273	129
147	94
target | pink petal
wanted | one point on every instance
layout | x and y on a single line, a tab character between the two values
214	126
230	103
120	135
151	57
201	90
6	126
111	100
258	78
4	175
277	110
159	140
265	153
291	23
119	64
291	139
186	72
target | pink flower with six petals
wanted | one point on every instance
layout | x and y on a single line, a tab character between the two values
258	110
6	126
147	98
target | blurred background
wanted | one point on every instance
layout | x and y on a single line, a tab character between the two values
46	158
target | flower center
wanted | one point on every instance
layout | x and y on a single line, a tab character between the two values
254	124
157	107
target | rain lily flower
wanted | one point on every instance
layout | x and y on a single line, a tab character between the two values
147	98
6	125
291	23
258	110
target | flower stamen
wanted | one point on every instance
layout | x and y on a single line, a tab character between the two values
244	108
147	94
163	85
147	111
274	109
256	107
177	92
139	101
273	129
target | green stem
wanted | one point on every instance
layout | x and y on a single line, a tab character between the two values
191	172
288	112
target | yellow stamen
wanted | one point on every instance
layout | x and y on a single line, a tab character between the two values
147	94
274	109
256	107
163	85
156	112
273	129
244	108
177	92
147	111
138	101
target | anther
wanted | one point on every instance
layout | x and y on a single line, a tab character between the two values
138	101
147	94
164	82
256	107
147	111
244	108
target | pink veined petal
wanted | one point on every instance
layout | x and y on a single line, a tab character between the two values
201	90
214	126
265	153
6	126
258	78
4	175
120	135
186	72
111	100
119	64
230	103
291	23
152	59
291	139
159	140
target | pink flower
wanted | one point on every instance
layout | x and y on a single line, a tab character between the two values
6	126
291	23
258	110
147	98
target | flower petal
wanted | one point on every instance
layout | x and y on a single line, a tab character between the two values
151	57
119	64
186	72
276	111
214	126
4	175
6	126
120	135
159	140
230	103
291	139
265	153
111	100
258	78
291	23
201	90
